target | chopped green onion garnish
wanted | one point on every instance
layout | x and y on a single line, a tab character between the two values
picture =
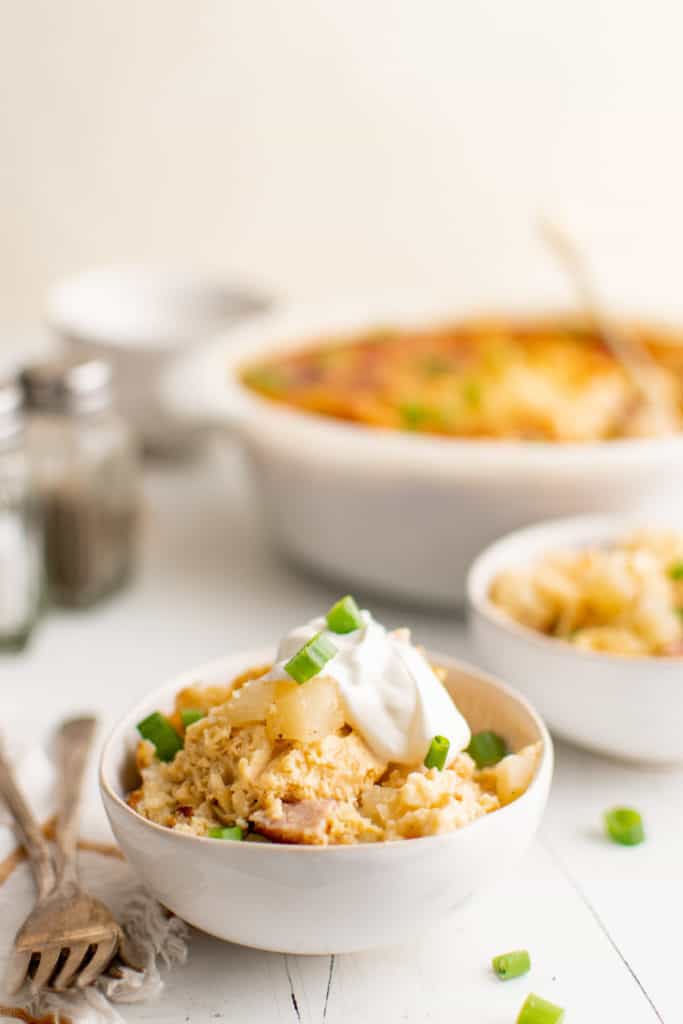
487	748
472	392
158	730
539	1011
312	657
624	825
512	965
437	753
226	833
413	415
344	616
265	378
191	715
676	571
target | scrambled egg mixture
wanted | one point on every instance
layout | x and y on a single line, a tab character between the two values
324	787
623	599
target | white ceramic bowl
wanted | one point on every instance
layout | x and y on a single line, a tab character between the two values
138	318
398	513
307	899
630	708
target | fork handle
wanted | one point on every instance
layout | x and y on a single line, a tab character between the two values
31	836
74	740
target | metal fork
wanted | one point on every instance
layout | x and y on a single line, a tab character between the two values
70	937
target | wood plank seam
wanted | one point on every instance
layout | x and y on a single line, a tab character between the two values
329	987
557	860
292	993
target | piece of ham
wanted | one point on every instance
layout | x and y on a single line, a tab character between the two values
303	822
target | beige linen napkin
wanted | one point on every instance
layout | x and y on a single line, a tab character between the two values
159	937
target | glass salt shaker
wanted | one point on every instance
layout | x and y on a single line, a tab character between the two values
21	570
87	477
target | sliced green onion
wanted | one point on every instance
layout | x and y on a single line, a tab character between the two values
624	825
235	832
312	657
676	571
487	748
512	965
539	1011
344	616
191	715
268	379
413	415
158	730
437	753
472	392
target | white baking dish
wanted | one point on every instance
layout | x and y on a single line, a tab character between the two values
399	513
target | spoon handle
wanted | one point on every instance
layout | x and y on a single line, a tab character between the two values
32	838
635	359
74	740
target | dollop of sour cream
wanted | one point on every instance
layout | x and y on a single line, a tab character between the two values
390	694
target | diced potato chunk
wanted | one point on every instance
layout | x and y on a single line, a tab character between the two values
202	698
515	772
144	754
251	702
305	713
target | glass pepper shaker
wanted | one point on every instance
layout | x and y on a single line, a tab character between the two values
87	477
21	570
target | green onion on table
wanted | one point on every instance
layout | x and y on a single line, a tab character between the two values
539	1011
158	730
512	965
625	826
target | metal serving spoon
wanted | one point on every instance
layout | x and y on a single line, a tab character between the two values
634	357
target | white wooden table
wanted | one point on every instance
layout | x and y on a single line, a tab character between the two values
602	922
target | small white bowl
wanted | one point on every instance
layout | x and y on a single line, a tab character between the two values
337	899
630	708
138	318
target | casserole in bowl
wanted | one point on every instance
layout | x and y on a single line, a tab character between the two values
315	899
400	511
594	686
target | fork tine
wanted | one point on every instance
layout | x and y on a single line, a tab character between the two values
68	970
103	954
16	970
49	955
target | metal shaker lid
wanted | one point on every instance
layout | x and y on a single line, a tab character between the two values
11	409
68	385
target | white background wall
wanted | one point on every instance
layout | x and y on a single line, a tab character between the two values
325	147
